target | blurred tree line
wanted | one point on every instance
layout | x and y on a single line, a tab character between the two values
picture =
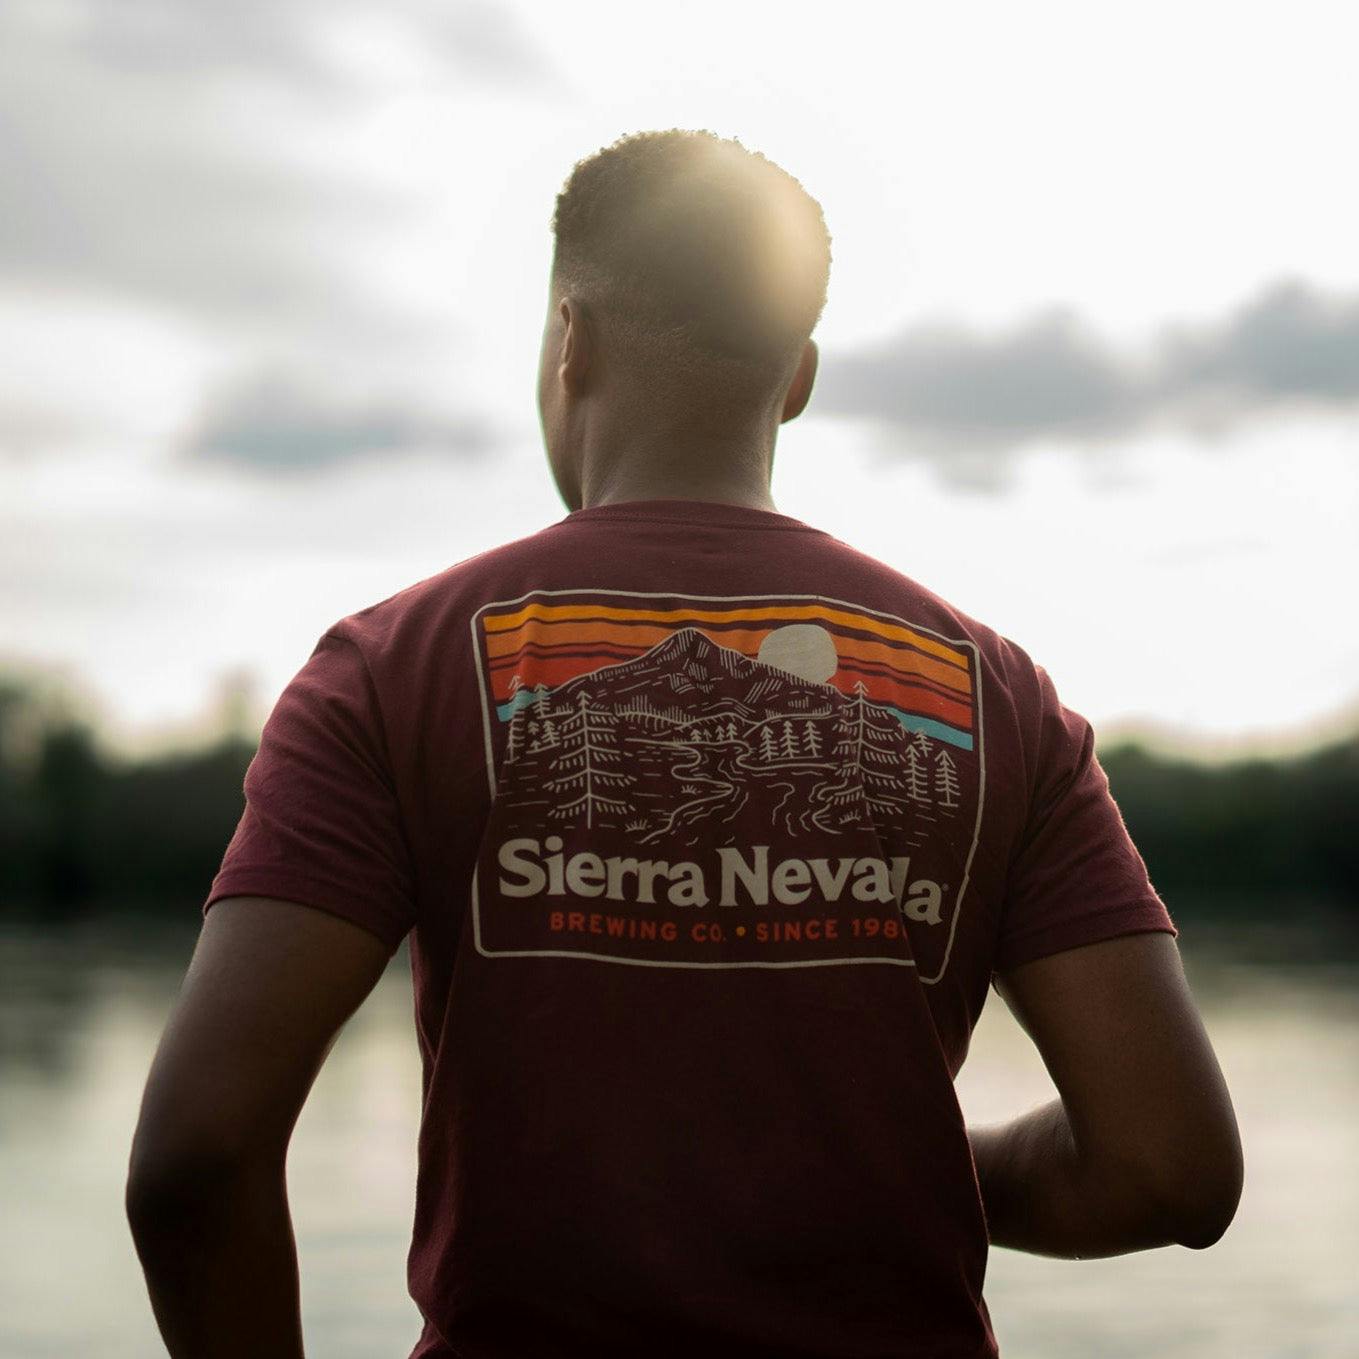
82	830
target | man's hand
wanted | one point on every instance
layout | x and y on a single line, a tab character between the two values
269	987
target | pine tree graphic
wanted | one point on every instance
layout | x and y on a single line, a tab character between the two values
589	746
788	743
946	780
844	796
542	705
922	746
514	738
917	777
868	750
768	750
550	736
812	738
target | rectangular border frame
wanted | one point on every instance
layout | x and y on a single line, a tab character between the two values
962	643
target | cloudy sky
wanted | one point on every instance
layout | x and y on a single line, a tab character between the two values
272	277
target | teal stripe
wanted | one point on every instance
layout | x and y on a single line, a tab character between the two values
931	727
523	698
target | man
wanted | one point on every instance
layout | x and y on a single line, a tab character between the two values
710	835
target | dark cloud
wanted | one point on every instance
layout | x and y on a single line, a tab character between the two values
1290	344
948	387
967	400
277	422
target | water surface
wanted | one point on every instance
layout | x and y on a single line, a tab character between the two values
80	1012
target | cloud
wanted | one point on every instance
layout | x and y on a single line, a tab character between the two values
485	39
125	171
188	164
263	37
968	401
278	422
167	36
171	152
948	387
1291	344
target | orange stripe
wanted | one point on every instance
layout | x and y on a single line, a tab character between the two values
910	698
553	613
643	637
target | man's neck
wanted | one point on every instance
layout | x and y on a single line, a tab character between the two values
734	472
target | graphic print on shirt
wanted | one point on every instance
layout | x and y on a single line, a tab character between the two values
697	782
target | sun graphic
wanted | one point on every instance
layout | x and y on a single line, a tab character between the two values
806	650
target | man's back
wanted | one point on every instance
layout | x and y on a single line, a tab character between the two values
712	833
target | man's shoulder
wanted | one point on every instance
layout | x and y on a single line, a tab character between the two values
842	573
898	590
455	589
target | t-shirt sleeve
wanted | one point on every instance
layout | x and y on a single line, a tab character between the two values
321	824
1076	877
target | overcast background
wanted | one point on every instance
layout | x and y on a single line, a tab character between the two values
272	279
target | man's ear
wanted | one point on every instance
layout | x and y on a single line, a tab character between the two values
578	347
800	389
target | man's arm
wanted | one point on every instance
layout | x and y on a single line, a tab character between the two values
269	987
1142	1147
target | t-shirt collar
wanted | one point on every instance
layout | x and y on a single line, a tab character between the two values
679	511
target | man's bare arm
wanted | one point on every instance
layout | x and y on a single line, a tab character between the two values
270	985
1141	1148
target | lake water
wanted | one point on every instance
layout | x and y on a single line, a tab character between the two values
80	1013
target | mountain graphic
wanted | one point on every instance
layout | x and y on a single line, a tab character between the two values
693	742
690	668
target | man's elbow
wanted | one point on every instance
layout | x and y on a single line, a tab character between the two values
174	1184
163	1194
1203	1204
1204	1225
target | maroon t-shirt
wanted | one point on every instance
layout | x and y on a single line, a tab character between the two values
709	832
